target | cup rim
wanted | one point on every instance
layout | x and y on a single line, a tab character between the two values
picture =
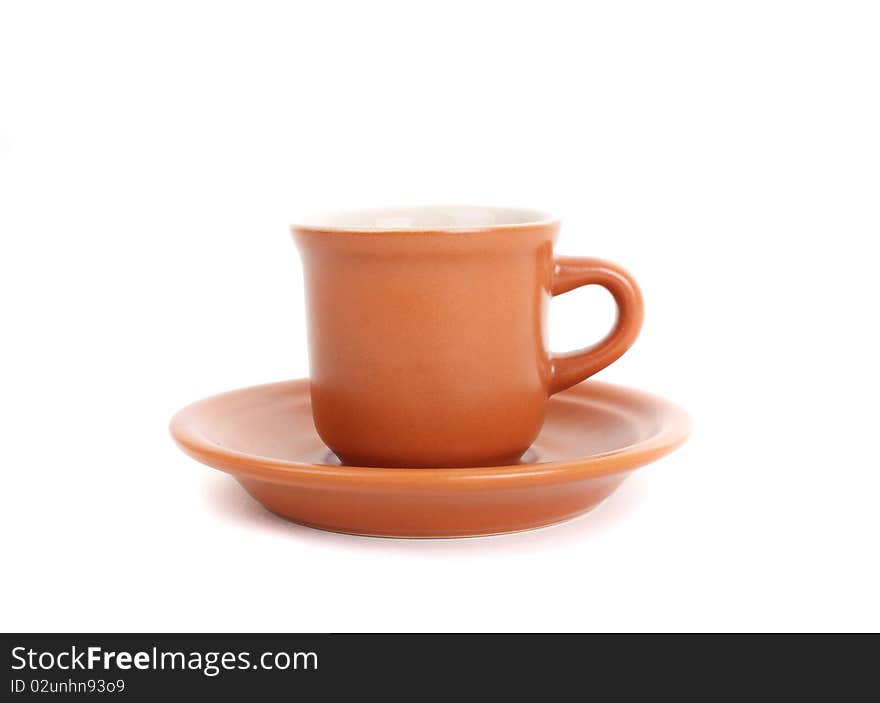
425	218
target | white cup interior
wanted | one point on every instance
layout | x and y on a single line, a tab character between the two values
425	218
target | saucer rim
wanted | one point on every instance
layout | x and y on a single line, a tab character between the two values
673	429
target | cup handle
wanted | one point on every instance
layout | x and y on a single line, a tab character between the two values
570	272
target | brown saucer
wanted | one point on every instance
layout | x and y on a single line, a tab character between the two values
594	436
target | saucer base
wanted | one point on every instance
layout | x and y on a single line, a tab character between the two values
380	535
477	517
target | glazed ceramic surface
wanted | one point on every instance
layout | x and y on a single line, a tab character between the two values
427	331
594	436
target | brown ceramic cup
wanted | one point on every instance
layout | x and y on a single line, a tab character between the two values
427	331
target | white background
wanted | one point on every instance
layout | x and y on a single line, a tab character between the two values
153	154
